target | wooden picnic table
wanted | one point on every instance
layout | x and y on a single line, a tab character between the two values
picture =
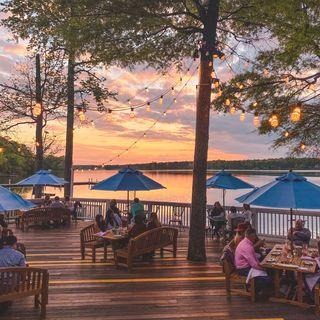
278	261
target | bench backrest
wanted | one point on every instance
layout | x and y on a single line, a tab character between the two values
40	214
20	282
152	240
87	233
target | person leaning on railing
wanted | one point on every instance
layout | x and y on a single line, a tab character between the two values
217	218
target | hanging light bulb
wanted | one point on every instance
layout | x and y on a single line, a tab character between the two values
37	144
215	56
242	115
172	90
286	134
222	56
274	121
295	115
213	74
240	86
227	102
144	134
92	123
147	89
266	72
219	93
1	149
302	146
132	113
180	79
37	109
108	116
148	107
256	121
175	100
255	104
81	115
161	100
210	63
19	149
165	113
233	110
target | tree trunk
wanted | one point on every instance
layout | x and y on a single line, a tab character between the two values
39	126
70	124
197	249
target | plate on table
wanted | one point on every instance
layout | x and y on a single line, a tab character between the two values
271	260
117	235
275	253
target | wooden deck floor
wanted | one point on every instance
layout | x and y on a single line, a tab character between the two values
164	289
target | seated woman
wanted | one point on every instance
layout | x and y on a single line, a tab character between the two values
113	216
153	222
100	223
217	218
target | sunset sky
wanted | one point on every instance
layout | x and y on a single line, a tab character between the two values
171	139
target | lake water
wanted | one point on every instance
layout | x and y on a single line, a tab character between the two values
178	186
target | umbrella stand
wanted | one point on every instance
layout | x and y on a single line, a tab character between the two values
291	230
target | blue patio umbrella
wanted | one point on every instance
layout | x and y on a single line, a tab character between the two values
128	179
226	181
42	178
11	201
290	191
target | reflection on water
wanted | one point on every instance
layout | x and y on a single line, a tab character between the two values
178	186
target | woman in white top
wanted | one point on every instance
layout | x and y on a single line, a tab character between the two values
247	214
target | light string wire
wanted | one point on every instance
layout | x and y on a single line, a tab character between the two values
155	122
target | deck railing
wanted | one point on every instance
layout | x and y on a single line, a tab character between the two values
269	223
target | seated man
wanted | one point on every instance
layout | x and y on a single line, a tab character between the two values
57	203
9	255
246	260
300	235
136	207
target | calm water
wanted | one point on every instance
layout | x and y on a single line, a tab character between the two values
178	186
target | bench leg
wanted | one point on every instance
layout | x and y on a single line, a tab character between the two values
94	255
105	252
83	253
43	311
161	252
129	261
253	291
36	301
228	288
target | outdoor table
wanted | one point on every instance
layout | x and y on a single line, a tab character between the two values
110	237
278	262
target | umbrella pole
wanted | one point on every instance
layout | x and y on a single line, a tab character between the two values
291	230
223	198
128	201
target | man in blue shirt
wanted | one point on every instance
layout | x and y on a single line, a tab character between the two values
136	207
9	255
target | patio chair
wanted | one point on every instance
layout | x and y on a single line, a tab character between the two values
178	213
88	240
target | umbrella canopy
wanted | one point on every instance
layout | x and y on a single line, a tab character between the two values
291	191
128	180
225	180
42	178
12	201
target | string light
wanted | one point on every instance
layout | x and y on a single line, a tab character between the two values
147	89
219	93
216	83
92	123
222	57
295	115
1	149
255	104
172	90
161	100
302	146
210	63
215	56
240	86
164	113
132	113
242	116
175	100
256	121
233	110
286	134
213	74
227	102
274	121
148	107
37	109
108	117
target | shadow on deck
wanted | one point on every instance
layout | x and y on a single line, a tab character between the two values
168	288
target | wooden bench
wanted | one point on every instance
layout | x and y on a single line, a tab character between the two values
147	242
88	240
17	283
232	278
44	215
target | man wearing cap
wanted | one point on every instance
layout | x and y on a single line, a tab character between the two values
300	235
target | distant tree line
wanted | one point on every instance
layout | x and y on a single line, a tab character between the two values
256	164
